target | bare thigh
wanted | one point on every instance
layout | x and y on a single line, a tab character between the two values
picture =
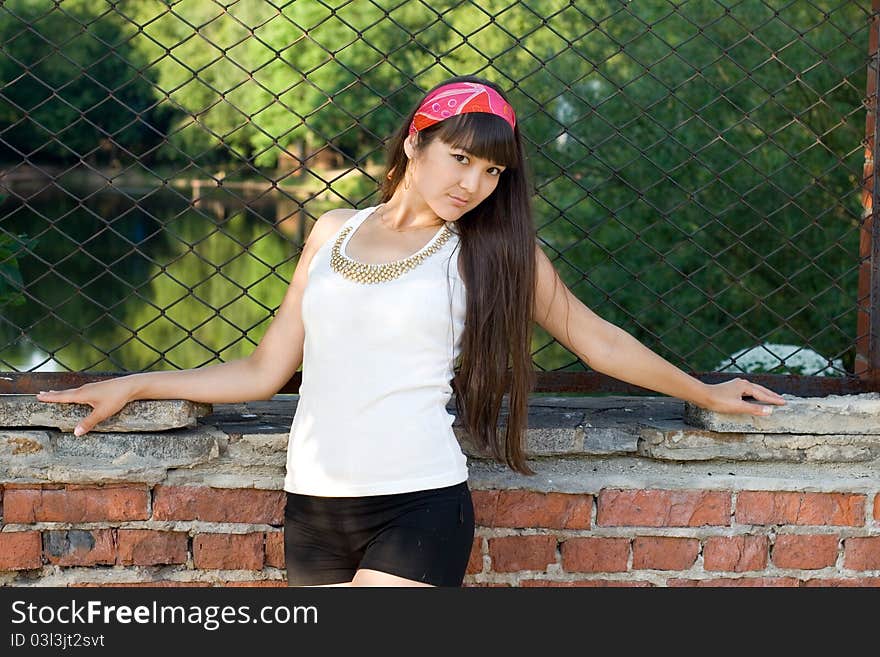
369	577
315	586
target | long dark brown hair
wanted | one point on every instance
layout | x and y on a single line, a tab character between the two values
497	241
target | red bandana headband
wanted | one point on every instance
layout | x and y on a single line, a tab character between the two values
460	98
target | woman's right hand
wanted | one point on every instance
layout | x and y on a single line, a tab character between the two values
105	397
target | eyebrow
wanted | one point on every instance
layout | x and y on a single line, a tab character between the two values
471	154
491	163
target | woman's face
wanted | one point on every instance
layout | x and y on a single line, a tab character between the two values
451	180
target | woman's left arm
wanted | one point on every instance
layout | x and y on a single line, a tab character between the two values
609	349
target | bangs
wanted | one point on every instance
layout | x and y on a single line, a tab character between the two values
485	135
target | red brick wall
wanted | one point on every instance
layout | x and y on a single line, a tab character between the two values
198	536
120	535
632	537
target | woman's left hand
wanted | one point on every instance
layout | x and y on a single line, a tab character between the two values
727	397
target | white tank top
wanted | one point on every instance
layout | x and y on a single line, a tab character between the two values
376	377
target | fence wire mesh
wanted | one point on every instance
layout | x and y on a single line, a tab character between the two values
698	168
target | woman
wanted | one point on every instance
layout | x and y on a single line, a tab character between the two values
384	302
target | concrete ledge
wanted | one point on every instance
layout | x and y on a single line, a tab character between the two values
834	414
675	441
593	475
639	438
141	415
101	458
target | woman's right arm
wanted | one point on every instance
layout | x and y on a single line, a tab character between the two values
258	376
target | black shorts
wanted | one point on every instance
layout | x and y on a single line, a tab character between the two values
423	535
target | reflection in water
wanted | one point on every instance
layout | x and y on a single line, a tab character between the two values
40	361
143	280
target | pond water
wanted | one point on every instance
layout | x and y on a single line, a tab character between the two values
143	278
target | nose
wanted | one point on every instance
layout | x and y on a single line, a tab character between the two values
470	180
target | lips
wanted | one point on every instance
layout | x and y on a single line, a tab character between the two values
458	201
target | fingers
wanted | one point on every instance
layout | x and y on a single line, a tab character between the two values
763	394
87	423
733	391
757	409
59	396
760	392
72	395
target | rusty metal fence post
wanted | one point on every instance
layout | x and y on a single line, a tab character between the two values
867	364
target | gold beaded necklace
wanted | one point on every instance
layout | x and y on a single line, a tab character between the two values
361	272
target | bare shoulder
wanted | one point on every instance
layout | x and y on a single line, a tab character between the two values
327	225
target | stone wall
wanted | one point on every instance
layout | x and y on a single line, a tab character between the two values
625	494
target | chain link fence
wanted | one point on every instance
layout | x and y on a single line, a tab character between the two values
700	170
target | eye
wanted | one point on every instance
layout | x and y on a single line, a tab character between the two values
461	158
497	171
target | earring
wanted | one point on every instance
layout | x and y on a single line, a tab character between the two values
407	179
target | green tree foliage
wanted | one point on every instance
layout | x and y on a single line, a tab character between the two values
703	186
72	88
